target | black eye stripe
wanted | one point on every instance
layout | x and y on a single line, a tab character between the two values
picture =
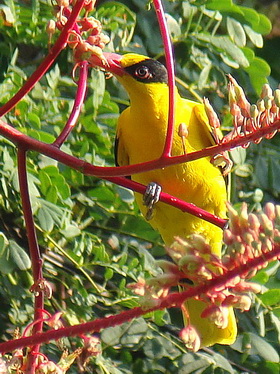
148	71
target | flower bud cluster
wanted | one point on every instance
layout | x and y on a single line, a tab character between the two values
248	118
17	362
86	38
249	235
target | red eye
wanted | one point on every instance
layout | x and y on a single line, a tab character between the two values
143	72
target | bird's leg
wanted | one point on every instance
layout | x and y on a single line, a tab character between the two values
183	133
151	197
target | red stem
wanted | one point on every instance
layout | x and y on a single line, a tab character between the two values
171	79
47	62
35	255
108	172
172	300
22	140
79	100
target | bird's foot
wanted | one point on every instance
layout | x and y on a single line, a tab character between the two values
151	197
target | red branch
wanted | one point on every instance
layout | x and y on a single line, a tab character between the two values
170	73
27	142
34	250
79	100
112	173
172	300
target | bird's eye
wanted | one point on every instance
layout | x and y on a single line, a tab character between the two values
143	72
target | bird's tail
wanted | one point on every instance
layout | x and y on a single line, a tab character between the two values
206	328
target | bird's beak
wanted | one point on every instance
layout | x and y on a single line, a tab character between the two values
109	62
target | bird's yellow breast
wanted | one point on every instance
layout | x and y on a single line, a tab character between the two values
142	132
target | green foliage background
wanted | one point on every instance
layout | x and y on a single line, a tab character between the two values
93	239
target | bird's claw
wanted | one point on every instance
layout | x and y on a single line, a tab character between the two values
151	197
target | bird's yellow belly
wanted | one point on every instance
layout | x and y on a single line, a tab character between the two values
197	182
187	182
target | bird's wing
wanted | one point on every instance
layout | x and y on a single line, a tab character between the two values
121	156
203	119
213	138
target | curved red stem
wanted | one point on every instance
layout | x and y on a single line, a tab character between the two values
79	100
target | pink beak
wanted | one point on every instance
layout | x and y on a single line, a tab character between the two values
110	63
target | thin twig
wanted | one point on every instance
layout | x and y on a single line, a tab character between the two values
79	100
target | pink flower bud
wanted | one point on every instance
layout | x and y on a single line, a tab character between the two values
260	105
269	210
254	222
183	130
277	97
229	237
243	286
211	114
266	91
241	99
63	3
51	26
199	243
190	337
167	266
266	224
242	302
254	111
243	216
217	314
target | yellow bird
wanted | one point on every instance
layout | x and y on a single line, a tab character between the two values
141	135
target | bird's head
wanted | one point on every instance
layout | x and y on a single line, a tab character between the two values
137	73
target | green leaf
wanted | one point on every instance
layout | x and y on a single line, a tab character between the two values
19	256
173	26
222	362
125	194
258	71
45	219
3	244
71	231
45	181
51	194
134	332
203	77
190	364
98	86
108	274
271	297
255	37
34	120
268	367
7	265
236	32
257	21
255	345
51	170
222	6
225	46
